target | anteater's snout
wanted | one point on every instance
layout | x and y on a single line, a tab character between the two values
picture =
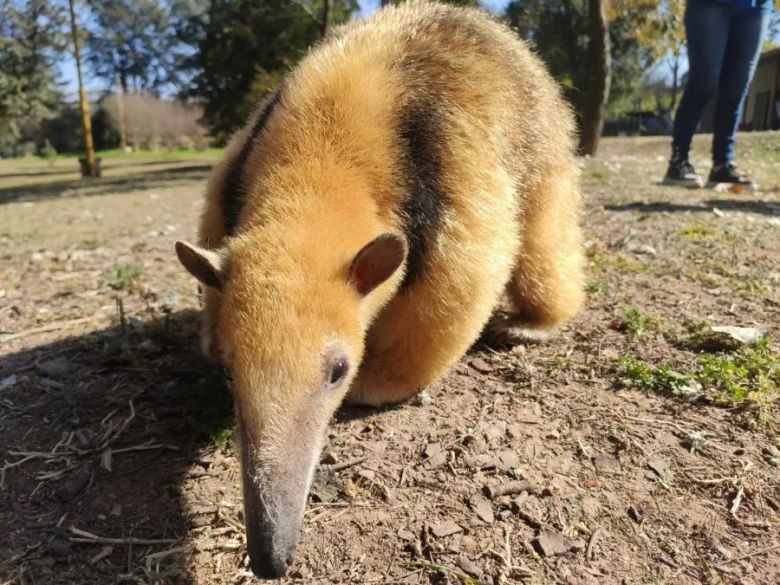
273	522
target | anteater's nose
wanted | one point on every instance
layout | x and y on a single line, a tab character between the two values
271	548
270	564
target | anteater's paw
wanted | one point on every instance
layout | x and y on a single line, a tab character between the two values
505	332
376	394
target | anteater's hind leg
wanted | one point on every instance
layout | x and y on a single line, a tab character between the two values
546	287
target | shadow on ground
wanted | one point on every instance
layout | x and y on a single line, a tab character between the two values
108	426
138	179
100	432
742	205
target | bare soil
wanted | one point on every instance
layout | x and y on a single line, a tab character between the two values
116	447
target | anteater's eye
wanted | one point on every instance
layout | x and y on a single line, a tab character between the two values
338	371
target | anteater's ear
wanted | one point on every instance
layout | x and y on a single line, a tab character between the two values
377	262
205	265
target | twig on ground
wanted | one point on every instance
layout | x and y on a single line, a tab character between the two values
47	328
82	536
460	575
592	543
344	464
737	501
510	488
756	553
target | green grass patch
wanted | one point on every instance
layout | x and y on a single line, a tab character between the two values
662	379
698	231
122	276
748	376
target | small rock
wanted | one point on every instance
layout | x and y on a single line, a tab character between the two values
772	455
76	482
482	508
330	458
445	529
423	398
550	543
435	455
606	464
481	366
367	474
495	431
717	212
116	511
637	513
635	248
8	382
56	367
661	468
325	493
747	335
479	461
470	568
508	460
407	535
527	416
60	549
150	346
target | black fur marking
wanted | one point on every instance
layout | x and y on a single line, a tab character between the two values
420	133
233	191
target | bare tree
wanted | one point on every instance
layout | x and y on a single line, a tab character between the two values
153	123
598	66
327	16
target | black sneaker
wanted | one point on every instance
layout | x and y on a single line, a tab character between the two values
727	178
682	174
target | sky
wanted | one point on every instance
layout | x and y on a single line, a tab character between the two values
95	88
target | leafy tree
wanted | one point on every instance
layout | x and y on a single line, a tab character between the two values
559	31
244	48
135	42
31	32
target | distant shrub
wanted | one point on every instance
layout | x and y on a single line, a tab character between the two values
48	153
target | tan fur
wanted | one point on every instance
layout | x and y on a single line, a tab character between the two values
322	185
325	177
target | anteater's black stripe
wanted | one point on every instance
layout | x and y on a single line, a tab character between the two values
421	135
233	191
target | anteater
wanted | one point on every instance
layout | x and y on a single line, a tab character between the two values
362	227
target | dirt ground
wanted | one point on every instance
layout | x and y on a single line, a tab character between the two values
116	446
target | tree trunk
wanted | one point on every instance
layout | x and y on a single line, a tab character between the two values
120	107
86	123
327	16
596	91
675	83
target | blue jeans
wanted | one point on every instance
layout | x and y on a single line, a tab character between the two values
724	45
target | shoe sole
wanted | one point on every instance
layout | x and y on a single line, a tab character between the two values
731	187
687	183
